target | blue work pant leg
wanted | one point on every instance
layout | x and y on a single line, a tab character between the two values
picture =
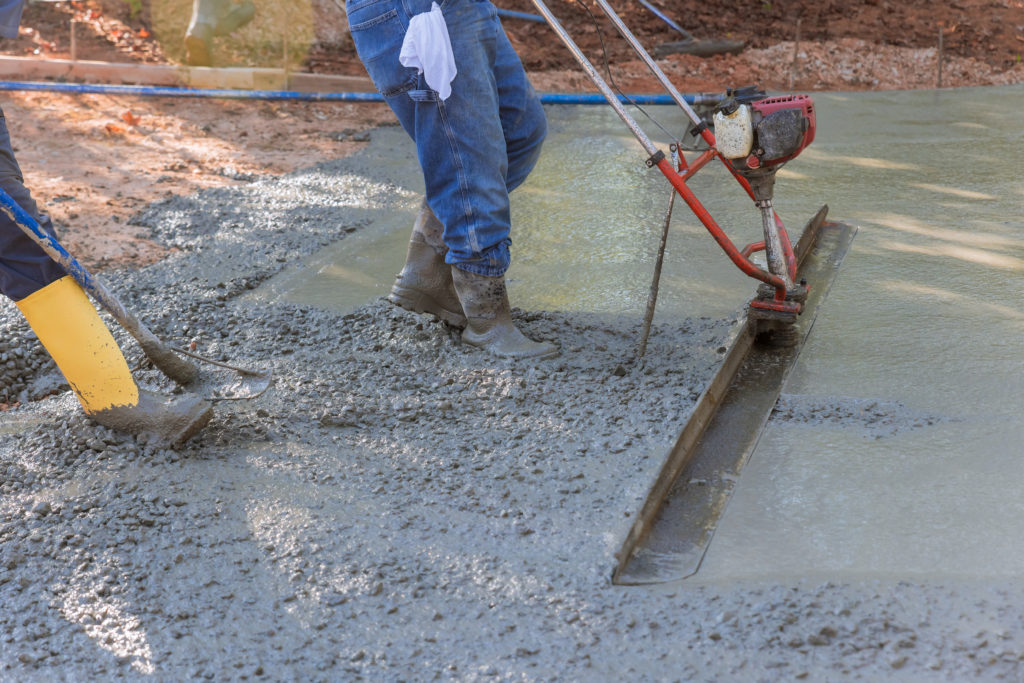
24	266
522	115
473	147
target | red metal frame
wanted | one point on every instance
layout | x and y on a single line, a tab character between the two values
679	178
740	257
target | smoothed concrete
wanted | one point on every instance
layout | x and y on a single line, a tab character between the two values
401	507
896	449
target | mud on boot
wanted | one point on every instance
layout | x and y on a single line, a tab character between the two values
489	318
197	45
167	421
75	336
213	18
425	283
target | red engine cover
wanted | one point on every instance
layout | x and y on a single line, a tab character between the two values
802	103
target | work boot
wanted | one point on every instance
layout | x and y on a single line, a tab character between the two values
239	15
172	421
197	44
213	18
425	283
72	332
489	318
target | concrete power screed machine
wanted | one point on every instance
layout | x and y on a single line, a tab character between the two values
753	135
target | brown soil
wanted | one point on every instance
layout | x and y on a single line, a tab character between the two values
93	161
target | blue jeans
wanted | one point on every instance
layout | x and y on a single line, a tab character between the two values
24	266
474	147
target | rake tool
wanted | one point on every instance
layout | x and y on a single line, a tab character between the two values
168	359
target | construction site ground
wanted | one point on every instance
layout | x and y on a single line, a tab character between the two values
401	507
94	160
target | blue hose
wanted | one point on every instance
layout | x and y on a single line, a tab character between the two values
595	98
159	91
509	14
661	15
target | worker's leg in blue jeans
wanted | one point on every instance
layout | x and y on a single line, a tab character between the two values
474	147
24	266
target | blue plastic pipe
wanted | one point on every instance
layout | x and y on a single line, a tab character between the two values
214	93
161	91
509	14
597	98
661	15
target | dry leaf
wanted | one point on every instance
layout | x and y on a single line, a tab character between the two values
130	118
114	129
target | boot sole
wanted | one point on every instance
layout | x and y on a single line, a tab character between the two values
489	348
418	302
199	418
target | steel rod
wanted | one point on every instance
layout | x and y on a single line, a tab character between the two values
652	297
598	80
648	60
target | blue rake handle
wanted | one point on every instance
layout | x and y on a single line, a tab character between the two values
172	365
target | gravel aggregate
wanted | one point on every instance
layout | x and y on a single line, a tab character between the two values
400	506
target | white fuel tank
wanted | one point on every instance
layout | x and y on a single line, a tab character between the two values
734	133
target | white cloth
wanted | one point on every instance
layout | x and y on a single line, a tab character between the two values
428	48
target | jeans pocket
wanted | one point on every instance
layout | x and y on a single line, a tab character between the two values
378	28
353	6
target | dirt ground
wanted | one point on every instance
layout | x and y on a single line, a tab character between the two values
94	161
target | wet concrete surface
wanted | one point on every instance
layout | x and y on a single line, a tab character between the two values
896	449
402	507
586	232
682	511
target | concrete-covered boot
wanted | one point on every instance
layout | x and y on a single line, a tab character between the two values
489	318
167	420
72	332
197	44
240	14
425	283
213	18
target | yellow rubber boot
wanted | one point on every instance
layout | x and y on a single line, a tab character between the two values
72	332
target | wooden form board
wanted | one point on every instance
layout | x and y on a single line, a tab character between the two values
28	68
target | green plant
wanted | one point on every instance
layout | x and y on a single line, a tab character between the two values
136	6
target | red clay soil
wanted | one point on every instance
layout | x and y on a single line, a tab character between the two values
873	44
988	30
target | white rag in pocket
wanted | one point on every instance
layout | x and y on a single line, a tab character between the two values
428	48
